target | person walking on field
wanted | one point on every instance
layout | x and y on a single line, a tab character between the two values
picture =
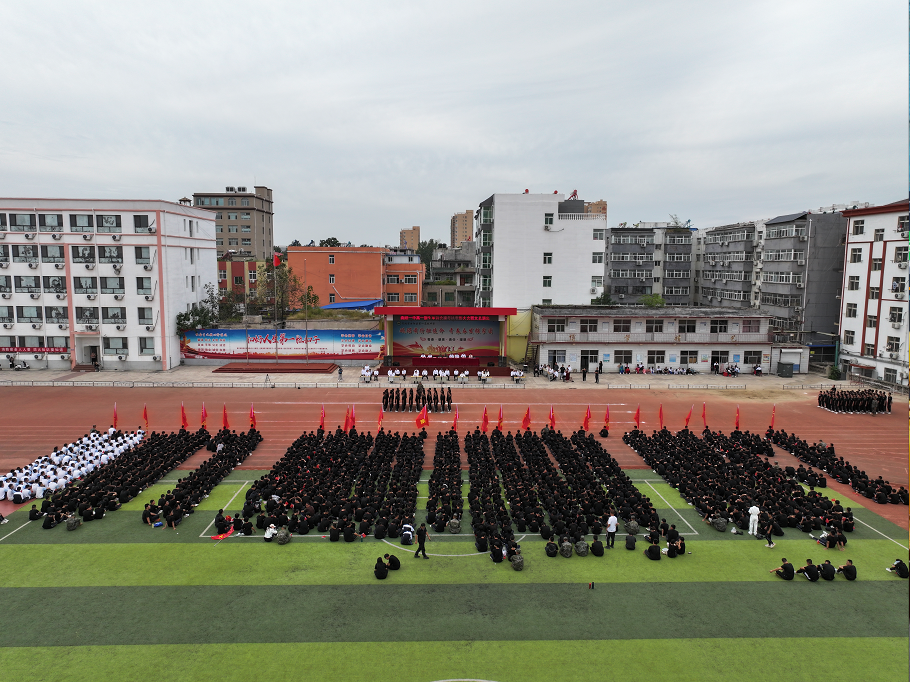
422	537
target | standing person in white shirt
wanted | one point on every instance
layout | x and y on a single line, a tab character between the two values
754	511
611	530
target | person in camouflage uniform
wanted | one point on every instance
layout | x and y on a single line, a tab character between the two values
720	523
566	549
454	525
581	548
283	536
73	522
631	527
518	561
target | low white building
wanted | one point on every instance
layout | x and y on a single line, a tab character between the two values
104	278
873	315
673	337
538	249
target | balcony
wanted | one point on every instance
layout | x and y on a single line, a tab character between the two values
654	337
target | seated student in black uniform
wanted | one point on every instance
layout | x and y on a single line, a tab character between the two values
810	571
334	533
380	570
392	562
551	549
630	541
597	547
899	568
652	551
480	542
34	514
247	528
848	570
785	570
827	570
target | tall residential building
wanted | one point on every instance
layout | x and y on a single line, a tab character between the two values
873	305
243	220
461	228
451	278
356	274
649	258
538	249
103	278
410	238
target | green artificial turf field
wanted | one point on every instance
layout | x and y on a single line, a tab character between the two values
118	600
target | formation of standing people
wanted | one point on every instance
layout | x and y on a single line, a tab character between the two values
867	401
414	400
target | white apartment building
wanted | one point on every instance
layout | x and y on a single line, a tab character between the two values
107	277
538	249
873	310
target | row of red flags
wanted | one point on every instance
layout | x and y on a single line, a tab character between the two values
423	418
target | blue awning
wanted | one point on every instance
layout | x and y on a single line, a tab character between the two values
353	305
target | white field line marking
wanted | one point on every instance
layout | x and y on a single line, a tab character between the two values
244	484
878	531
671	507
18	529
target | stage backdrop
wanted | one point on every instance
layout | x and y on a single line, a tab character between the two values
476	335
324	344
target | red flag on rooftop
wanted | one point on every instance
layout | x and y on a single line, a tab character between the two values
485	423
184	423
526	420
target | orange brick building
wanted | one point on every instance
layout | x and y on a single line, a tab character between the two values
349	274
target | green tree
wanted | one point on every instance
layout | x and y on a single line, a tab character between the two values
309	299
287	288
204	314
603	299
652	301
425	250
331	241
296	242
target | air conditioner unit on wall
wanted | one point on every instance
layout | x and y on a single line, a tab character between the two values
147	268
149	297
121	357
902	265
621	296
89	266
91	297
5	295
593	290
34	296
118	297
91	327
33	266
799	285
156	358
59	266
803	238
7	325
29	235
56	237
149	327
88	237
115	237
120	327
800	262
36	325
899	294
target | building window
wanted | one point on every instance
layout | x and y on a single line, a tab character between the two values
28	313
654	327
547	258
752	358
246	242
109	223
686	326
113	315
588	324
143	255
231	202
85	285
597	281
688	357
656	357
849	338
902	222
332	298
879	235
144	315
391	279
244	202
331	258
146	345
869	349
246	228
112	285
432	297
851	310
392	298
622	357
219	229
252	275
876	264
486	260
856	255
410	279
546	301
900	254
114	345
232	241
556	324
232	228
548	219
81	223
875	293
872	321
859	226
597	257
898	284
751	326
890	375
622	326
718	326
412	298
244	216
222	275
599	235
449	296
238	280
219	241
547	281
853	283
331	279
893	344
896	314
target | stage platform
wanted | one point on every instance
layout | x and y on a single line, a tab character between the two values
277	368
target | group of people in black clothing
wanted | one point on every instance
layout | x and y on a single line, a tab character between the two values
341	484
822	456
868	400
813	572
123	478
414	400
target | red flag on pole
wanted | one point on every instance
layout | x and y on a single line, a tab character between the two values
205	416
689	416
252	417
607	419
276	260
322	418
526	420
499	423
773	410
184	423
381	415
587	421
485	423
115	416
552	419
660	416
422	418
347	419
224	419
737	418
353	416
637	417
704	415
455	421
145	416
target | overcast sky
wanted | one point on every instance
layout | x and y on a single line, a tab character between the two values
368	117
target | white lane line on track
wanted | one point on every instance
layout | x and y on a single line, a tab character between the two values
878	531
244	484
670	506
